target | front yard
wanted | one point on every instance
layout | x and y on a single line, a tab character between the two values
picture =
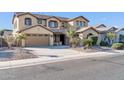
15	54
53	52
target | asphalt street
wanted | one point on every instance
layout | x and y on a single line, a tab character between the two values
102	68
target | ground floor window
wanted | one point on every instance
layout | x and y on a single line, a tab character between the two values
121	38
28	34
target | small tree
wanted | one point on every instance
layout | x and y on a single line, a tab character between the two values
70	35
111	36
10	41
74	42
19	39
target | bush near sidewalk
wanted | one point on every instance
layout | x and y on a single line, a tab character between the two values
87	43
118	46
94	40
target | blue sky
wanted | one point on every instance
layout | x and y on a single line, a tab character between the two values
108	18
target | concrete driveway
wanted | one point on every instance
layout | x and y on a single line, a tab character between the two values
53	51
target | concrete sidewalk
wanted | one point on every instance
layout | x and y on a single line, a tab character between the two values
45	60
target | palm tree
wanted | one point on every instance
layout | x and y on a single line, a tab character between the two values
71	35
111	36
20	38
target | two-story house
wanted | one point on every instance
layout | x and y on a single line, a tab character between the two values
44	29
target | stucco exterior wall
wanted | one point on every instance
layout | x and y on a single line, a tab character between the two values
85	33
22	21
118	35
39	40
37	30
15	22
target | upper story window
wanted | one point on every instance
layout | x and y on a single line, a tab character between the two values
80	23
53	24
42	21
64	24
39	21
28	21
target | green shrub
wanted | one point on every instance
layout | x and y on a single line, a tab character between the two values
87	42
118	46
94	40
121	42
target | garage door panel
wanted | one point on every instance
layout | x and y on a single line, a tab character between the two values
37	40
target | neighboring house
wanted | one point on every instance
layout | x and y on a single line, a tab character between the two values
46	30
6	32
103	30
120	35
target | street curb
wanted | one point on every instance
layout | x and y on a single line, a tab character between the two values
38	61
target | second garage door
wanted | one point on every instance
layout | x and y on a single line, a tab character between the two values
37	40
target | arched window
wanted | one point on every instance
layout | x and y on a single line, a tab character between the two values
53	24
90	34
28	21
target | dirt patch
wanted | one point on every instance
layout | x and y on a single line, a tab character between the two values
16	54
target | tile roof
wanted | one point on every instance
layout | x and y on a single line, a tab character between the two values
6	30
98	25
47	16
85	28
106	29
58	30
120	29
42	16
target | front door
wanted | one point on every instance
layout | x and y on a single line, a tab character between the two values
62	39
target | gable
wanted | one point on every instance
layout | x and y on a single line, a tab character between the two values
100	26
22	14
81	18
27	15
90	30
53	18
113	29
37	30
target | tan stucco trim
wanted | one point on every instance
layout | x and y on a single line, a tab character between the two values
33	27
